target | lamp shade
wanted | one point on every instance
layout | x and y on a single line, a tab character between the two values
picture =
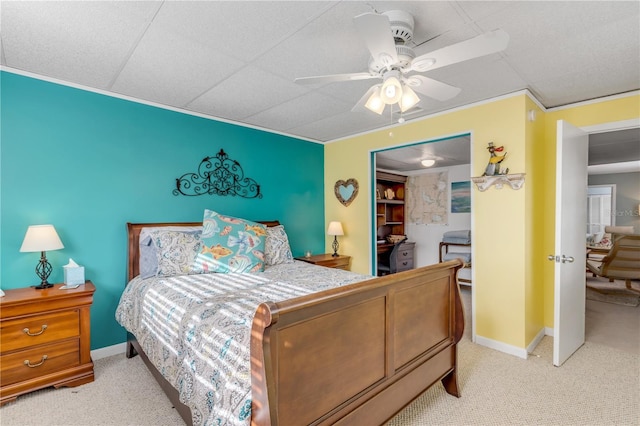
335	228
41	238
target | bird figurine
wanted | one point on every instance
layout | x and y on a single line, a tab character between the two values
493	168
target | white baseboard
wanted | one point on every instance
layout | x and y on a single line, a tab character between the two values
502	347
513	350
116	349
536	340
548	331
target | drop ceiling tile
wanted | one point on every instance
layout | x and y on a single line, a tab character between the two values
608	45
245	93
565	89
241	29
81	42
349	91
299	111
171	69
345	123
327	45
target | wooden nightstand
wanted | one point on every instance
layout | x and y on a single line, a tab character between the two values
328	260
45	339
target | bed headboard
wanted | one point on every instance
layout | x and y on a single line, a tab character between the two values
133	247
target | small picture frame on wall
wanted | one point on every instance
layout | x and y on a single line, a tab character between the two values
461	197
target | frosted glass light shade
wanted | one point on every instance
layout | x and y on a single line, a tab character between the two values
335	228
374	103
41	238
408	99
391	91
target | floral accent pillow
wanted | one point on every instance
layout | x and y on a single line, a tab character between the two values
176	251
277	249
230	244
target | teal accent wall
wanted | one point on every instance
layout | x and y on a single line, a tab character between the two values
89	163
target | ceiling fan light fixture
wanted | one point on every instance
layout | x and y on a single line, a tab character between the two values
409	99
391	91
375	103
428	163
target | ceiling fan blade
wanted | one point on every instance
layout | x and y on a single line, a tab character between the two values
432	88
484	44
323	79
375	30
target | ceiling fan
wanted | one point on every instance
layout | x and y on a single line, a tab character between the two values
395	63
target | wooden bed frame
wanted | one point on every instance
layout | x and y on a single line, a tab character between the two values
356	354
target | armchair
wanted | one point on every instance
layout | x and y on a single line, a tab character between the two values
622	262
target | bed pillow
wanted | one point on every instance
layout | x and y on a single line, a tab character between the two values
149	253
230	244
277	249
177	250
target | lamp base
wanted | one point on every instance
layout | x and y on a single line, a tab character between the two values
335	247
43	285
43	270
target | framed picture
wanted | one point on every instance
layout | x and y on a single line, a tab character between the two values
461	197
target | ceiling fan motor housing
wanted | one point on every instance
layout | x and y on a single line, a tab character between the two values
401	25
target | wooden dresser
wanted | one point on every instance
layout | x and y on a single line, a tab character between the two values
45	339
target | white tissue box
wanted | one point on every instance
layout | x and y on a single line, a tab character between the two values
73	275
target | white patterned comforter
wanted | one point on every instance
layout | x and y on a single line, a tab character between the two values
196	330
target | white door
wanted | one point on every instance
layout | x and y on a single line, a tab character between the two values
570	244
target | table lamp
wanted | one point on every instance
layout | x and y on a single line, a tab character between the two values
335	229
42	238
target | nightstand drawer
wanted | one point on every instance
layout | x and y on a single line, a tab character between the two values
41	361
26	332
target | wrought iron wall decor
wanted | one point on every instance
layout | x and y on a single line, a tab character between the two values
218	175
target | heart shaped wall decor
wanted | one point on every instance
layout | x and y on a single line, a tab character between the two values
346	191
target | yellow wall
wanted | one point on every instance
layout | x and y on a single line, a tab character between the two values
535	226
512	230
499	225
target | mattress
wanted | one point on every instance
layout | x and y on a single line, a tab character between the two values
196	330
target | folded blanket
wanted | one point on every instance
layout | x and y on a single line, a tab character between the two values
465	257
456	240
465	234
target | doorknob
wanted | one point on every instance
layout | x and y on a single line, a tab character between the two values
563	259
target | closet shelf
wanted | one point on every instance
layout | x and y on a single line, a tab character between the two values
515	181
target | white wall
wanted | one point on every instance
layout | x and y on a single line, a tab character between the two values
428	237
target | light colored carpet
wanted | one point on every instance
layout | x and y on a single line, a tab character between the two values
597	386
601	290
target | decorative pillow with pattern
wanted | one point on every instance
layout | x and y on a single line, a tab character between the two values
176	251
277	249
149	253
230	244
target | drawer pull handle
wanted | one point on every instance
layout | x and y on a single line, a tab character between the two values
28	364
28	333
